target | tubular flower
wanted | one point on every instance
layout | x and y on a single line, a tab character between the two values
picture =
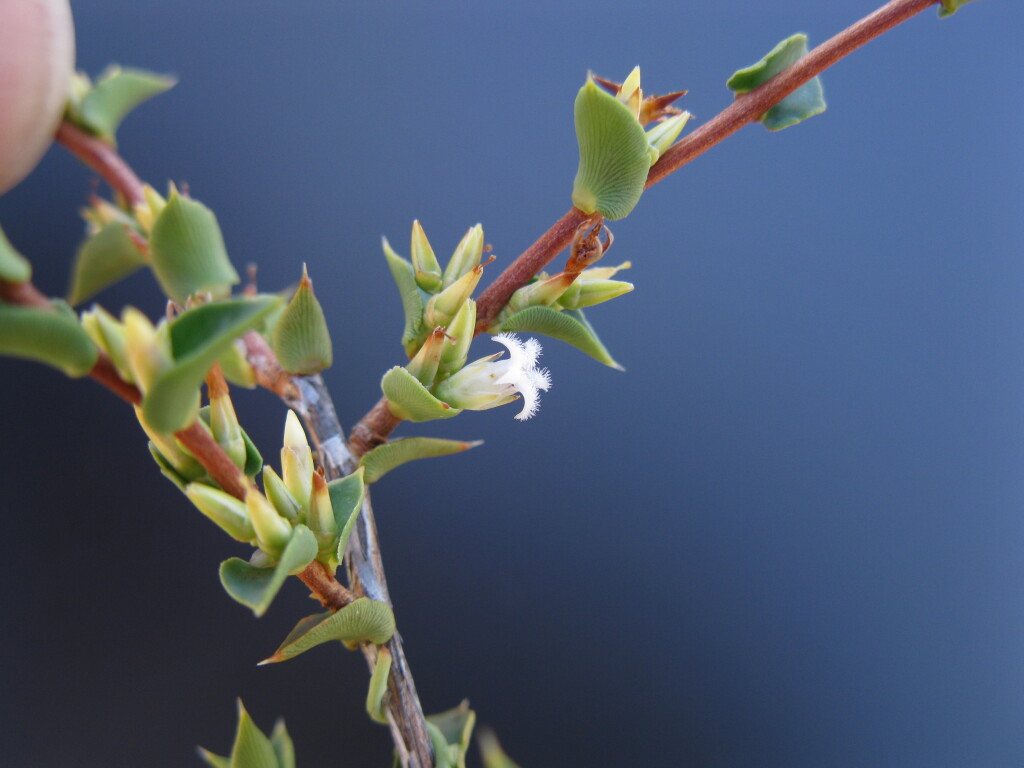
490	382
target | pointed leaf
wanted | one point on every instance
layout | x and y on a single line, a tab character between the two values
442	754
361	621
256	587
384	458
187	250
252	749
408	399
14	268
569	326
806	101
614	154
492	753
379	686
347	502
283	746
456	725
198	337
105	258
47	336
212	760
301	340
949	7
413	299
116	93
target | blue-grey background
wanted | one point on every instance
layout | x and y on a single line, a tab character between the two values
791	534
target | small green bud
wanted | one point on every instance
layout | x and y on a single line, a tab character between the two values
272	531
222	508
108	334
664	134
321	517
147	348
297	461
223	420
424	262
183	462
468	254
459	336
424	365
442	307
543	292
587	293
146	212
280	496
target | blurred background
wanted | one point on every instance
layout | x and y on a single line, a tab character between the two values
790	534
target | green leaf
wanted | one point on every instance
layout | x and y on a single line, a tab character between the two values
256	587
361	621
283	747
456	725
252	749
413	299
384	458
949	7
346	501
410	400
492	753
47	336
14	268
301	340
105	258
253	458
378	686
569	326
198	337
614	154
116	93
187	250
212	760
806	101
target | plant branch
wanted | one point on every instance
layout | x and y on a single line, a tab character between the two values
103	159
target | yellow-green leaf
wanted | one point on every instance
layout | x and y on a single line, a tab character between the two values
614	154
806	101
378	686
409	399
413	298
949	7
48	336
347	502
116	93
252	749
456	725
14	268
187	250
300	339
361	621
103	259
568	325
386	457
198	337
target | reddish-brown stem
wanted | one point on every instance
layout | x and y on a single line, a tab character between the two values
373	429
749	106
103	159
325	587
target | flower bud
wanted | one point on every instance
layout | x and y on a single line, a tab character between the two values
467	255
663	134
104	329
587	293
459	337
222	508
321	516
37	58
425	363
280	496
183	462
146	212
442	307
297	461
272	531
147	348
424	262
223	420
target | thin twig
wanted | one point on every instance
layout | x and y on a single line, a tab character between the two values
103	159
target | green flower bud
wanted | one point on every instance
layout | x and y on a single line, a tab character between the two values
272	531
664	134
297	461
183	462
467	255
108	334
424	262
542	292
223	420
459	336
280	496
222	508
442	307
424	365
146	212
321	517
587	293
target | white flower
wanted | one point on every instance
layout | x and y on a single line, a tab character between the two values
490	382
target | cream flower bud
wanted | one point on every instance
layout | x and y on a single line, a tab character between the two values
37	59
490	382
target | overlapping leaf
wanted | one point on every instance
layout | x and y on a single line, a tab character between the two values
255	586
